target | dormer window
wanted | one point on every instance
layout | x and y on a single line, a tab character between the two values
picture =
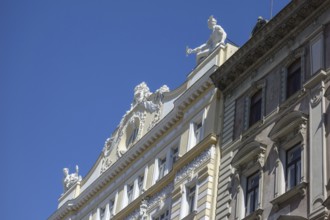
133	136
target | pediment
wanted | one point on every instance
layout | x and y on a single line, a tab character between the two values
247	153
287	124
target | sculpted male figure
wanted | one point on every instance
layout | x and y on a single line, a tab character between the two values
70	179
218	36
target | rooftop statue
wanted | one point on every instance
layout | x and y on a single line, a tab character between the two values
218	36
260	23
70	179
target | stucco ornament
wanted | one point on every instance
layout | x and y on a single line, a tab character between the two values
146	106
217	37
70	179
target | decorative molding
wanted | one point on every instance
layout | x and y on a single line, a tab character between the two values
189	168
144	102
316	96
272	37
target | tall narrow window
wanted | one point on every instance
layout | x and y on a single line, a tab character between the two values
252	190
130	192
293	80
191	198
293	167
175	154
102	213
140	184
255	107
111	207
132	136
162	164
198	131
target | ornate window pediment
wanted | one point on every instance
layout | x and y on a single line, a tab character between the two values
290	123
249	152
249	163
290	141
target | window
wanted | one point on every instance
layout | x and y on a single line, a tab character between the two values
130	193
191	198
140	184
161	167
102	214
175	154
293	167
249	163
198	131
165	215
133	136
255	107
290	141
111	207
293	79
252	190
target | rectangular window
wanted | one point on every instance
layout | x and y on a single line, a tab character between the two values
175	154
140	184
130	193
198	131
163	216
293	80
162	164
191	198
255	107
293	167
111	209
102	213
252	190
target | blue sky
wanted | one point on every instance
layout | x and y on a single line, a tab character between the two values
67	73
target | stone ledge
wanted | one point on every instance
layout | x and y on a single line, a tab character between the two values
299	189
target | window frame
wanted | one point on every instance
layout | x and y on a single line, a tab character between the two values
254	190
259	86
199	119
297	171
298	54
289	132
248	162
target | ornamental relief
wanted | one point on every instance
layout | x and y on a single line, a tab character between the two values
188	170
151	203
144	114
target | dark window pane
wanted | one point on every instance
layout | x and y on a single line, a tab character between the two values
293	167
252	193
293	83
255	108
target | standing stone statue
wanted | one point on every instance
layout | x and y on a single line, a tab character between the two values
218	36
70	179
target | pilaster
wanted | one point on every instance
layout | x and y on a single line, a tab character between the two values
317	154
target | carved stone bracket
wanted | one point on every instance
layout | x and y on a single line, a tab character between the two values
316	96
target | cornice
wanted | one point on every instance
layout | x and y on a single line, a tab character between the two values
272	35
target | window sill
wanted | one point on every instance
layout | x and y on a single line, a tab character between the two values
289	101
257	214
190	216
299	189
252	129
